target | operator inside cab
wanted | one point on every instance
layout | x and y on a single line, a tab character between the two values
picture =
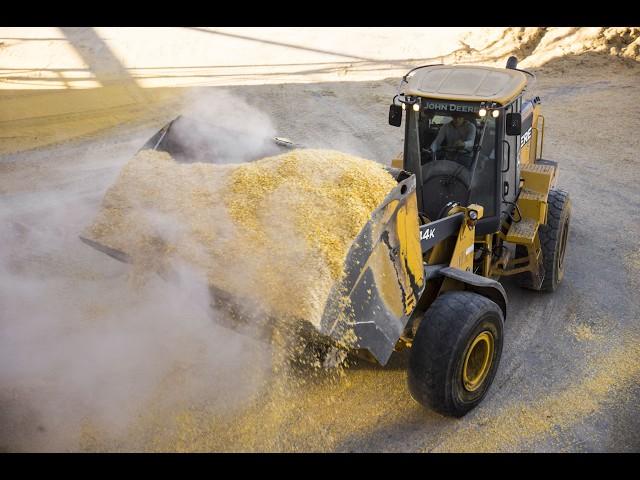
459	133
460	163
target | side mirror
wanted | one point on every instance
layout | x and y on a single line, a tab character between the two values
514	124
395	115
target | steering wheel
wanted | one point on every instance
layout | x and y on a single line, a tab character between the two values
457	149
456	153
449	153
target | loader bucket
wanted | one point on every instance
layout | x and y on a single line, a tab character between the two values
383	271
384	277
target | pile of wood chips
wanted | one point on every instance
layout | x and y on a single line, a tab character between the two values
273	233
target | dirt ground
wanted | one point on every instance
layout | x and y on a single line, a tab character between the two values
82	372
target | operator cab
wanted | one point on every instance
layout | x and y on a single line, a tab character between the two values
485	169
448	170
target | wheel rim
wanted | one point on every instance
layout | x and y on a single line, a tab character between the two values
477	362
563	243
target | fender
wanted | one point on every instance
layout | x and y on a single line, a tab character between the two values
486	287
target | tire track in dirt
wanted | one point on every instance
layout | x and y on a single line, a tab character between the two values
522	426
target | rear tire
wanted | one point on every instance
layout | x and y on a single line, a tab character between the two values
456	352
553	241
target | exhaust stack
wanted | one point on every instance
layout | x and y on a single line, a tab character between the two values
512	62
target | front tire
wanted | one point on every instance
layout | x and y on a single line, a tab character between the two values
456	352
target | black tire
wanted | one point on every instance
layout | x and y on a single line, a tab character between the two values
553	241
451	325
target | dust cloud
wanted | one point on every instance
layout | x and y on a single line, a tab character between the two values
82	347
220	127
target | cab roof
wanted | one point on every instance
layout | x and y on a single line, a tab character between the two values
466	83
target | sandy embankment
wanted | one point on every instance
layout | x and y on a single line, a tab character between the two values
58	84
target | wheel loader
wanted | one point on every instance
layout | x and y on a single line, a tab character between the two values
423	272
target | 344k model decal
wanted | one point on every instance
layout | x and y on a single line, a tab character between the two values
428	233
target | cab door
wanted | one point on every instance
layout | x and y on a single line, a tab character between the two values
510	174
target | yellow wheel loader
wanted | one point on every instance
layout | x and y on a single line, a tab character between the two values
470	207
488	208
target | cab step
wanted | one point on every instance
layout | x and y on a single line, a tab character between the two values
523	232
532	195
533	205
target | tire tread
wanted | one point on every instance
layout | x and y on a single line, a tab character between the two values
447	319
